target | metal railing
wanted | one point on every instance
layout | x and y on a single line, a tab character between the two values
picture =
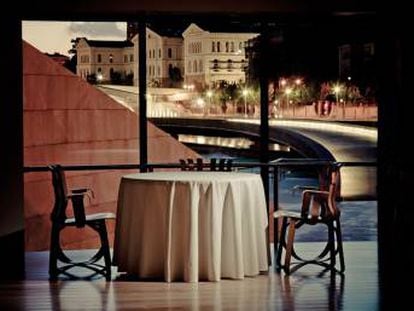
271	169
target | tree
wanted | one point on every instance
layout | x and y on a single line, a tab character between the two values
73	61
174	74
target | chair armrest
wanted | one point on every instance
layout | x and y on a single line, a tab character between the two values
302	188
80	190
319	193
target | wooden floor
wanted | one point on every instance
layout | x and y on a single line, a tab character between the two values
306	289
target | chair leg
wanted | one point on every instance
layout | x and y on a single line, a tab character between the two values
339	246
276	235
54	251
289	245
105	249
331	243
280	246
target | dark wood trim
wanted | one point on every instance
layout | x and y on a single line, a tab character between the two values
394	52
142	76
11	137
12	256
264	108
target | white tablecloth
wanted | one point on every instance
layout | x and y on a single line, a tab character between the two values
191	226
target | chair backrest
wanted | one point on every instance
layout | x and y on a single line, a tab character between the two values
333	210
62	196
61	193
215	164
320	205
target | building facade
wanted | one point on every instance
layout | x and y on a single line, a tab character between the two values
164	58
356	62
104	59
212	57
110	61
201	58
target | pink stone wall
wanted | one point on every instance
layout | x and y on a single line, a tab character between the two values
68	121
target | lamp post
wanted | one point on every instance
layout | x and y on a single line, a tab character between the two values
288	90
201	104
337	89
209	95
245	93
99	77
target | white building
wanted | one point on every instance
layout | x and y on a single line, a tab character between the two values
202	58
164	59
102	58
212	57
163	55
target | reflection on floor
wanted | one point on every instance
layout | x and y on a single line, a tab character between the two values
307	289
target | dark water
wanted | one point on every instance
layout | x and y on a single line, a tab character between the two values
358	218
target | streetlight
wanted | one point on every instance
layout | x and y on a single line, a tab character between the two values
99	77
209	95
275	108
245	93
337	89
288	91
201	104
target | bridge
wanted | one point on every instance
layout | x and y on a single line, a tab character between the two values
311	139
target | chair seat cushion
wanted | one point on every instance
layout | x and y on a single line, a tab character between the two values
92	217
284	213
296	215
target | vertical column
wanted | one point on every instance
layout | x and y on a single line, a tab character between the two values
394	52
264	119
264	107
11	135
142	78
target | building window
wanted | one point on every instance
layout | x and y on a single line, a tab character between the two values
159	53
125	58
131	57
200	65
169	53
213	46
240	46
368	49
111	58
232	47
215	64
99	58
229	64
195	66
218	47
227	47
158	71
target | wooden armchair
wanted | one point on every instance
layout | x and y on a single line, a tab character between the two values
318	207
222	164
59	221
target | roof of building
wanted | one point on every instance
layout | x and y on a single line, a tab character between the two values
175	27
109	44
